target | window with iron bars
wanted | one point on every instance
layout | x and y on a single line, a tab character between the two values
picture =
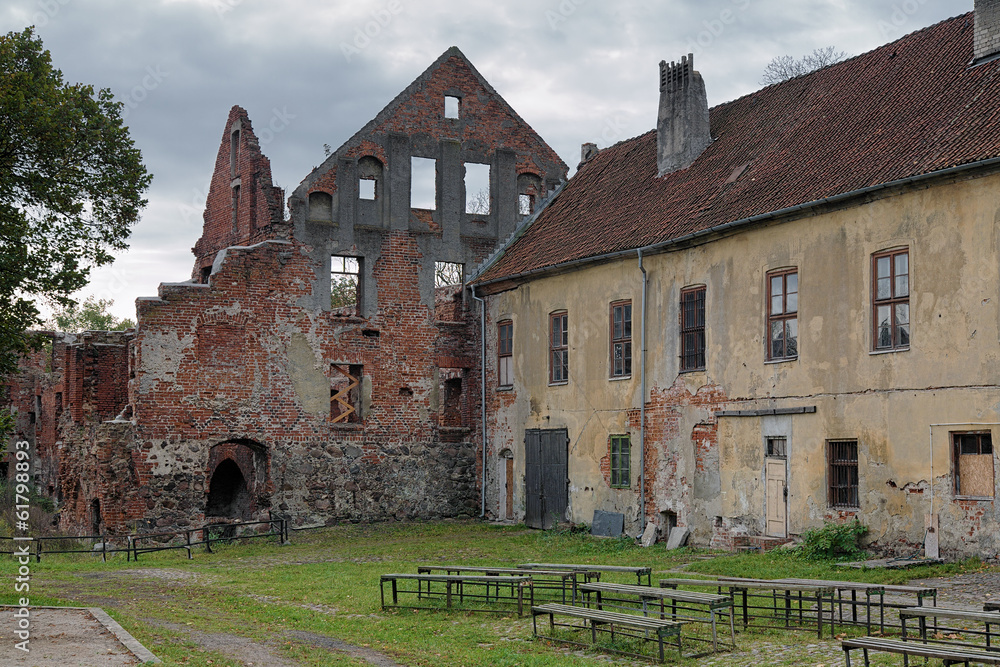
843	473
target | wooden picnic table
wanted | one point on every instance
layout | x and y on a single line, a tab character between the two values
564	576
639	572
715	603
455	585
987	618
788	592
628	625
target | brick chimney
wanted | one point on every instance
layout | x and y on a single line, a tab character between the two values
682	130
987	34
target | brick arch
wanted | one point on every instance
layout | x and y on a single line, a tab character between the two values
243	467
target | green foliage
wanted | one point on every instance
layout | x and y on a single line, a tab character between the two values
71	184
343	291
41	511
834	541
90	315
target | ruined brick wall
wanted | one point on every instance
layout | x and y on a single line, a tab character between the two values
242	175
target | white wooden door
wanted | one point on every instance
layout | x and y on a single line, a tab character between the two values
777	498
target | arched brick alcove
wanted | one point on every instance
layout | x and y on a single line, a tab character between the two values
238	481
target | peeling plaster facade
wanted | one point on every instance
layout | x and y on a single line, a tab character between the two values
243	394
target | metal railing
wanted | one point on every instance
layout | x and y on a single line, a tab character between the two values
205	535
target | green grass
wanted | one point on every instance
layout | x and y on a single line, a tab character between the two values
326	584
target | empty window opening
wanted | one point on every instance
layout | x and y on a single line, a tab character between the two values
505	353
366	188
31	417
621	339
843	473
451	106
782	314
693	329
777	448
477	188
423	183
227	491
234	151
525	204
345	284
345	393
621	461
452	414
95	516
974	474
206	272
236	206
59	404
558	348
447	273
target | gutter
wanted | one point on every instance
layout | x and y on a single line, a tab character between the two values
482	387
664	245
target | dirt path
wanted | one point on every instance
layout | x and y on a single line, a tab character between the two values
163	584
64	638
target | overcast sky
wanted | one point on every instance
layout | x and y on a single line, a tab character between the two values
313	73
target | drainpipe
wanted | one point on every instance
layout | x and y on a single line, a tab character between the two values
642	401
482	390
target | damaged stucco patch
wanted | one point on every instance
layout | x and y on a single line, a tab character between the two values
309	382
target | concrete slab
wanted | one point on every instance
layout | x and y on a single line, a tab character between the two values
69	636
677	537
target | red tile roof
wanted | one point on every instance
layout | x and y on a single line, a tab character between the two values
908	108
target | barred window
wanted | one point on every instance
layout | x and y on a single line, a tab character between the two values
693	329
843	475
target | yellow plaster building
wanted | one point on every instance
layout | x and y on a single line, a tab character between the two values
778	312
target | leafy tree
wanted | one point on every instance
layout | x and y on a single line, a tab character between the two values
91	315
71	184
783	68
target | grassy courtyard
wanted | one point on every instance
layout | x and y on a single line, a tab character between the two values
316	601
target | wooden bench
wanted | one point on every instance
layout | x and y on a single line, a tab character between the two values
987	618
455	586
561	579
950	655
991	606
789	593
596	619
639	572
605	593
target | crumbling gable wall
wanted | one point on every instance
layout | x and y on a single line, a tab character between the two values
242	206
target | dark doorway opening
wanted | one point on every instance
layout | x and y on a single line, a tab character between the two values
95	516
227	492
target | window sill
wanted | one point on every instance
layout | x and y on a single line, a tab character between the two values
845	508
784	360
691	370
620	488
349	426
889	351
505	387
561	383
616	378
976	498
